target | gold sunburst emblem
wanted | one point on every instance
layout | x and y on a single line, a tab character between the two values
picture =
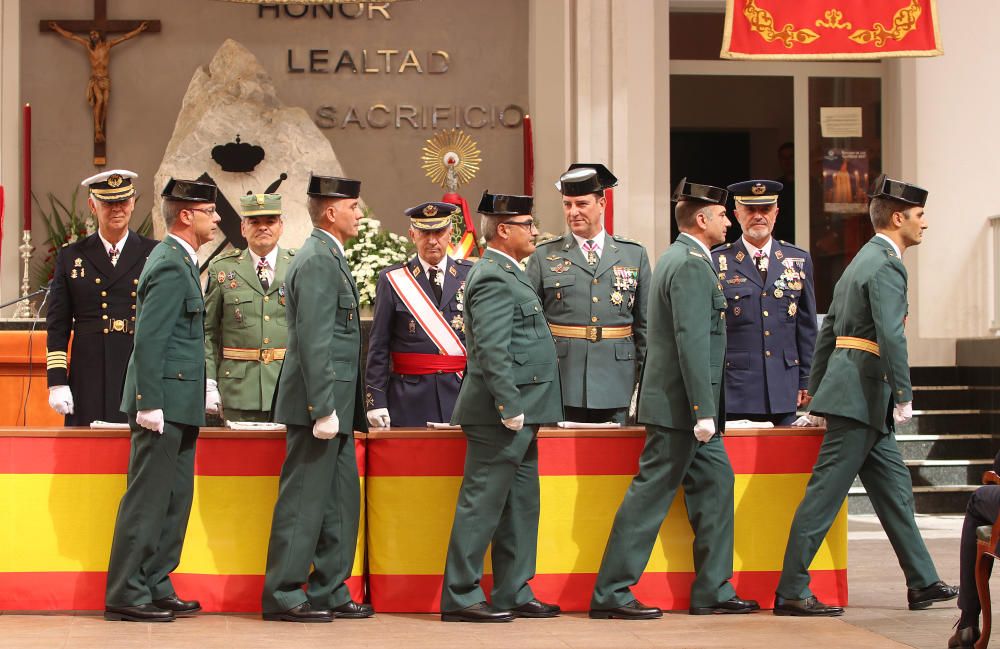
450	159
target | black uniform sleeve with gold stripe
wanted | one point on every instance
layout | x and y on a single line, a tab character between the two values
58	322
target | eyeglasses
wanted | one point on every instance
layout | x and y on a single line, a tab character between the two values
205	210
526	224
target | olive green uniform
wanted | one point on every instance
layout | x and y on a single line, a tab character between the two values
681	383
856	390
598	373
166	372
511	371
242	320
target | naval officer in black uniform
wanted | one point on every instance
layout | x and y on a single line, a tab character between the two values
92	296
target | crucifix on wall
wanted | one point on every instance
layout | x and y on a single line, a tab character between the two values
99	51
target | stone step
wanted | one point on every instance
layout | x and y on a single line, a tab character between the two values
945	447
955	375
931	473
940	499
956	397
954	422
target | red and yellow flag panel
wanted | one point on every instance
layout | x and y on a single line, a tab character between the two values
830	29
413	486
59	497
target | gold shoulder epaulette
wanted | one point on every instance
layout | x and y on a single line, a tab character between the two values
552	239
696	253
618	237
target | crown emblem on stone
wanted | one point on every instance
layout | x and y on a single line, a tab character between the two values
115	180
758	189
237	156
430	210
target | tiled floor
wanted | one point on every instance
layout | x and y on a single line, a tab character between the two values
878	617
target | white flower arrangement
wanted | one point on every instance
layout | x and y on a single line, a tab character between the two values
371	251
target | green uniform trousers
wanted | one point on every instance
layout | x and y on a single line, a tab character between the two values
153	514
498	502
670	459
315	523
851	448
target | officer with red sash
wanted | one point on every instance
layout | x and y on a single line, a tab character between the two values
416	351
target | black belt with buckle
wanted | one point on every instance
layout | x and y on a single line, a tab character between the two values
109	326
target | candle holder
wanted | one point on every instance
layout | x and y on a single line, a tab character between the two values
23	309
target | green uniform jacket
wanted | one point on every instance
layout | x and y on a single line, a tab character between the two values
322	369
682	376
613	293
167	368
869	301
512	367
240	313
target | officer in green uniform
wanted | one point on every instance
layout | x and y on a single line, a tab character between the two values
164	398
245	328
510	388
314	531
594	288
860	382
680	396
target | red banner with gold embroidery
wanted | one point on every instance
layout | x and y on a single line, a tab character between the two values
830	29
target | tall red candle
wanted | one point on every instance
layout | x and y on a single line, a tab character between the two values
529	158
3	200
609	210
26	171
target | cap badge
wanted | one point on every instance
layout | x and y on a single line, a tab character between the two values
115	180
758	189
260	199
430	210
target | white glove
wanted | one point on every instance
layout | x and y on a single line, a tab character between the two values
326	427
809	420
633	405
150	419
704	430
903	412
213	400
378	417
515	423
61	399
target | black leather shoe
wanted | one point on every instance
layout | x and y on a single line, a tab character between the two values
535	608
732	605
477	613
634	610
301	613
808	607
141	613
924	597
179	606
964	638
354	611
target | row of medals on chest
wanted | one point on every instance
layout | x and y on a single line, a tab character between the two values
791	279
222	277
626	280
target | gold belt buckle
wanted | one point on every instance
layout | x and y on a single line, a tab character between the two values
593	333
117	325
266	356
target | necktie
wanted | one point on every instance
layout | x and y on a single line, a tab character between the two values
591	249
761	260
263	273
113	254
433	274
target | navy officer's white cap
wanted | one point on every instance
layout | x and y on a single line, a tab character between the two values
111	186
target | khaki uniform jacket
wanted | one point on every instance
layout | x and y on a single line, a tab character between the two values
512	367
682	377
240	314
869	302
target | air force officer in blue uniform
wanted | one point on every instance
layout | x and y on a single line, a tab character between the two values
771	319
416	360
